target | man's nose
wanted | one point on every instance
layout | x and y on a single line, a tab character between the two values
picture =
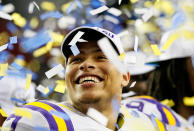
87	65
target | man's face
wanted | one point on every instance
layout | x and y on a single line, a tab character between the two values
90	77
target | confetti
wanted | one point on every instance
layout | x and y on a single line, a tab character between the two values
96	115
28	81
8	8
17	100
134	113
13	40
76	38
170	40
60	114
48	6
5	16
168	102
19	20
122	56
188	101
191	120
126	113
42	89
52	14
78	3
148	15
114	11
155	49
22	112
111	54
111	19
3	47
36	5
133	84
37	128
115	105
55	70
2	112
82	40
99	10
3	69
60	86
75	50
31	8
119	2
70	8
34	22
136	44
16	66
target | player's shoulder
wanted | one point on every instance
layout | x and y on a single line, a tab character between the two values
43	115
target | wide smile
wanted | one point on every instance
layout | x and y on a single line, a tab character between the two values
88	79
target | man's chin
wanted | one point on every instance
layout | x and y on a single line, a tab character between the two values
89	100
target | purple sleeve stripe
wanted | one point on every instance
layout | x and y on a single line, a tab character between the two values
57	108
159	105
51	121
14	123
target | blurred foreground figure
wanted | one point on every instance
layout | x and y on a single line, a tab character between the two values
94	77
13	93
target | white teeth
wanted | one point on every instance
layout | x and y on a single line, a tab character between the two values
90	79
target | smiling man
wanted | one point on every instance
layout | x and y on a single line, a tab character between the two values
94	81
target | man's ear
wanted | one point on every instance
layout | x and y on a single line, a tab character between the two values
126	79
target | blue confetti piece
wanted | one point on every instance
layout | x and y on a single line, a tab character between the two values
10	46
13	40
70	8
178	19
18	100
115	105
1	77
78	3
116	125
134	113
96	3
50	91
74	50
11	27
60	114
41	38
17	66
153	120
53	14
1	7
38	128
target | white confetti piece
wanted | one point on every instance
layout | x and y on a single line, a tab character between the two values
133	84
5	16
120	2
136	44
148	15
82	40
8	8
111	19
3	47
36	5
141	10
96	115
114	11
42	89
111	54
31	7
99	10
55	70
130	93
123	33
76	38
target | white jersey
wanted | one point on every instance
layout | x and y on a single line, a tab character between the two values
43	120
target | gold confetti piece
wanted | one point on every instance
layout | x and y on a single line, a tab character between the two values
60	86
4	38
170	41
56	37
126	113
188	34
65	6
134	1
168	102
3	113
3	69
5	128
46	91
43	50
155	49
22	112
188	101
165	6
18	19
20	62
48	6
122	56
34	22
28	82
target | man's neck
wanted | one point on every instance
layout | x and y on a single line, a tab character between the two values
105	108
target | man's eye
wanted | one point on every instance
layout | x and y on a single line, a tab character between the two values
76	60
101	57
